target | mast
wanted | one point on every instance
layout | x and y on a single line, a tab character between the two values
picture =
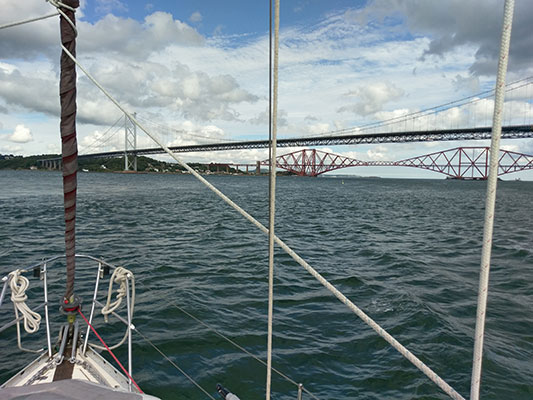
69	145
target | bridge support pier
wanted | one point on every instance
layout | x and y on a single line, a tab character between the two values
258	167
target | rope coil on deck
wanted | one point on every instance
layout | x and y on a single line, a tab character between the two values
18	285
120	276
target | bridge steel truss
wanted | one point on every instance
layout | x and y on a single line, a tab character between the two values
468	162
457	163
312	162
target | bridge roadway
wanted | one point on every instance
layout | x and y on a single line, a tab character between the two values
508	132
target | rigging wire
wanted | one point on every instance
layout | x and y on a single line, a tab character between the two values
230	341
27	21
109	350
174	364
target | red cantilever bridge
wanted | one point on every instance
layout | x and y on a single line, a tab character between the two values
459	163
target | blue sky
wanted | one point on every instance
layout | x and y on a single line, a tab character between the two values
199	68
233	17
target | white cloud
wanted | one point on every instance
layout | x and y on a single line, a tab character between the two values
136	40
377	153
262	118
21	134
196	17
317	128
371	98
468	84
11	149
53	148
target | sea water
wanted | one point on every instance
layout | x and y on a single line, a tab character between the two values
406	251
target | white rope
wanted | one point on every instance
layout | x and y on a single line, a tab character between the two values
18	285
58	5
119	276
393	342
490	200
272	201
27	21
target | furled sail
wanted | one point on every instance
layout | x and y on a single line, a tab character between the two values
69	145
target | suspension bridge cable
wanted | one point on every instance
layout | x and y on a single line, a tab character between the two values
174	364
96	141
445	106
183	131
402	118
369	321
104	140
230	341
491	199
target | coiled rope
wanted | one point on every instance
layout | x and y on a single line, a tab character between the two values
120	276
18	284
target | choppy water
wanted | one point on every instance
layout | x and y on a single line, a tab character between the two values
406	251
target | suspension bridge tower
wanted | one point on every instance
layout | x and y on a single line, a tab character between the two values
130	143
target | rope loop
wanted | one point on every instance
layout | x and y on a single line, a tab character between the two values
59	5
18	284
120	275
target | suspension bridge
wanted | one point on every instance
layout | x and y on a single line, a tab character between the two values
461	120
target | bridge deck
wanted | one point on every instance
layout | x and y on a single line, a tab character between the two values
508	132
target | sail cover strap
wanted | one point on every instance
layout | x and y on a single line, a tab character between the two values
69	145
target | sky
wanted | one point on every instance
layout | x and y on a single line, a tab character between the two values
197	72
